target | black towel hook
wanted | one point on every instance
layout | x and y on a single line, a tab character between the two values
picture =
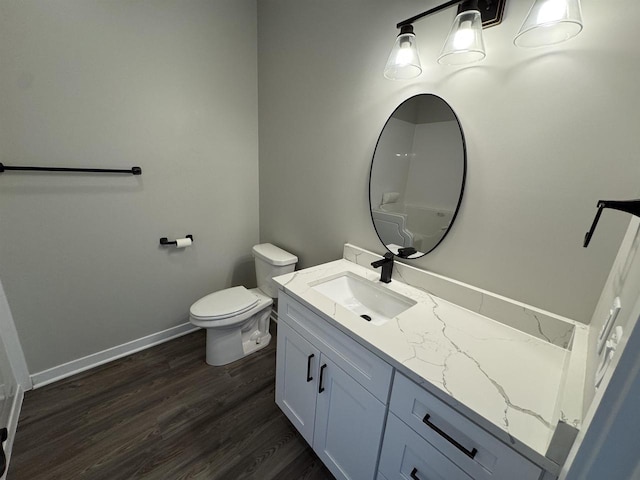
628	206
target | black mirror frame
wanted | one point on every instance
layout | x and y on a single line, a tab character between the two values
462	186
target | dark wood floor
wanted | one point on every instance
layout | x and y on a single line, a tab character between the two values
163	414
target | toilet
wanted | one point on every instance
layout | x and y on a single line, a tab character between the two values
237	319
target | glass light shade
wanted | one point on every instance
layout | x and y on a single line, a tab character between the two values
550	22
403	62
464	43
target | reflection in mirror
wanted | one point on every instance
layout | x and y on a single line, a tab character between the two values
417	176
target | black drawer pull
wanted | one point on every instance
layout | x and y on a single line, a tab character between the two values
320	387
413	474
470	454
4	434
309	377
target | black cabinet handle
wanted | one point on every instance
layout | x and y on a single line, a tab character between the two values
470	454
309	377
320	387
4	434
413	474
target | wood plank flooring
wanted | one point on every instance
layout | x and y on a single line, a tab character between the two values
163	413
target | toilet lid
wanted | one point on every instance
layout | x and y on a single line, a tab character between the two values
224	303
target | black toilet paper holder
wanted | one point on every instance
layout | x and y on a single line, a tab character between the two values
165	240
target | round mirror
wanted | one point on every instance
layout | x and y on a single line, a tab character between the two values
417	176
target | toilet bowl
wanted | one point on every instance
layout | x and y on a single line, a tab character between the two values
237	318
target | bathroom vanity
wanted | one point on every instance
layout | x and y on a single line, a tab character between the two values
439	380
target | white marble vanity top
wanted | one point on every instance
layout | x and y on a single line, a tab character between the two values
503	379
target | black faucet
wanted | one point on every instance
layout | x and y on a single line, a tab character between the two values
387	267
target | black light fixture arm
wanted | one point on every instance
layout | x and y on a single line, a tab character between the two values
491	11
413	19
628	206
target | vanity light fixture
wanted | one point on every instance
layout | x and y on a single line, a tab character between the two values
464	43
404	61
548	22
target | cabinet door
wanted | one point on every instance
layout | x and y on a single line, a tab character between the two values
363	366
349	423
296	379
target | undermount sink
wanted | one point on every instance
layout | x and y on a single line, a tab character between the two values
363	297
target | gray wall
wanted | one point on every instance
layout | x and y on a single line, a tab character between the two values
170	85
549	132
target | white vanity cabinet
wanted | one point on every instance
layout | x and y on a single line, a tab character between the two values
339	395
332	389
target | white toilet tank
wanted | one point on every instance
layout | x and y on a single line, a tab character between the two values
271	261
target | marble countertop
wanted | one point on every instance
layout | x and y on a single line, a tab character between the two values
505	380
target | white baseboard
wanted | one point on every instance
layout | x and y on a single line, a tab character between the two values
12	425
65	370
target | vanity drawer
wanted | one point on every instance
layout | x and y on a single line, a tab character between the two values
456	436
363	366
406	455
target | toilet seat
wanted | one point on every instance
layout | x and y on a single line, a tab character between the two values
233	321
223	304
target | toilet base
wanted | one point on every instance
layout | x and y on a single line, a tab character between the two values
219	353
250	347
225	346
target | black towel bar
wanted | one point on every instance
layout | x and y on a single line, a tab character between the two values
628	206
131	171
